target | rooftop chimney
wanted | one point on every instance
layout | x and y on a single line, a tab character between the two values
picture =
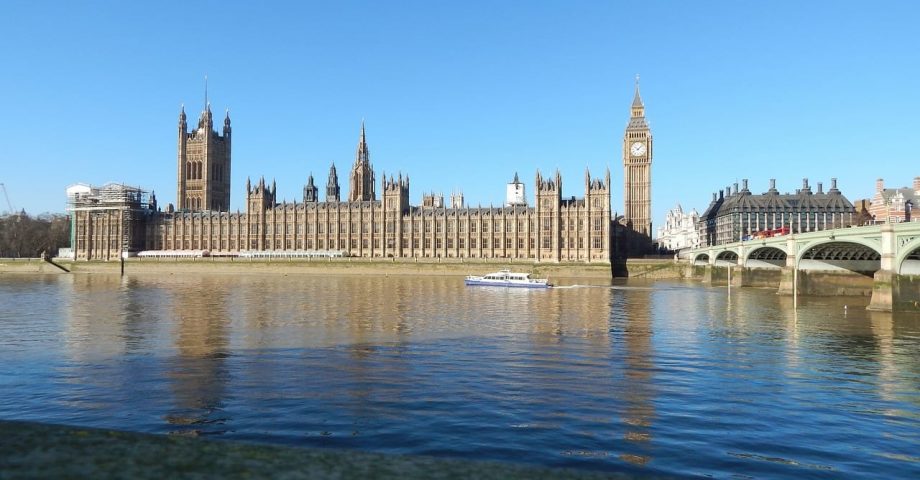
721	194
833	184
879	185
772	184
917	184
736	187
713	196
805	184
820	187
744	185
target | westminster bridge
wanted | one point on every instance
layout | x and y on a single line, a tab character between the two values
881	259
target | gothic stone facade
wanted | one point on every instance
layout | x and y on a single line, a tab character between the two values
555	229
203	173
637	169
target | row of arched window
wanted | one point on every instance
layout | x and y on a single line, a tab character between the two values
193	171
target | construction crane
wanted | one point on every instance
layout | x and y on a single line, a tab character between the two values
7	196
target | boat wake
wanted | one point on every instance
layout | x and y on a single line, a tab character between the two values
609	287
580	286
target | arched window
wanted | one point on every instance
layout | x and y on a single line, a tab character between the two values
188	170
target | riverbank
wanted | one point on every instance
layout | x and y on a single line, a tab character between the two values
33	450
650	269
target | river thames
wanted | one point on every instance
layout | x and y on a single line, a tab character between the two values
658	378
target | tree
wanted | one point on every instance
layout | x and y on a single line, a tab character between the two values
25	236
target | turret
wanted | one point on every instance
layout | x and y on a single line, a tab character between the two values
332	186
310	192
259	198
396	193
206	120
227	124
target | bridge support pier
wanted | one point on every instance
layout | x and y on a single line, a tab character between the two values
738	276
882	291
892	292
707	274
895	293
786	281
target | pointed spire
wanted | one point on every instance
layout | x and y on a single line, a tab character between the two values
637	100
362	156
332	185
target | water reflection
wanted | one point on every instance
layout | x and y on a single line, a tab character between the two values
198	373
639	411
601	377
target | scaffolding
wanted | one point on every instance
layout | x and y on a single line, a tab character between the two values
130	206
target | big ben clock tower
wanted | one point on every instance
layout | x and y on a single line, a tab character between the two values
637	169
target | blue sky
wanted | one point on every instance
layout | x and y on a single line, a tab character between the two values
461	95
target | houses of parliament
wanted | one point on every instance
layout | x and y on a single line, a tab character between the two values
113	221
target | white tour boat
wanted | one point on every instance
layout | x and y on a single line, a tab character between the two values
506	278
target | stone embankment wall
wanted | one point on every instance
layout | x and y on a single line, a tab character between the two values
636	268
337	266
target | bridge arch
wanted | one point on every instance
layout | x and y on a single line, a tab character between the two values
855	255
701	259
766	257
727	257
907	262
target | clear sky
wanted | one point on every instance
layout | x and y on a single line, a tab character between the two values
461	95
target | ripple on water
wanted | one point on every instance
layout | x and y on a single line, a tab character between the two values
649	378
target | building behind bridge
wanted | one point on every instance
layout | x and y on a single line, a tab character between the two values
894	205
679	230
736	214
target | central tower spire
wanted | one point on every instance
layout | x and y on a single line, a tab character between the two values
638	109
362	173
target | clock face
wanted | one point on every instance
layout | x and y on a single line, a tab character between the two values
637	148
